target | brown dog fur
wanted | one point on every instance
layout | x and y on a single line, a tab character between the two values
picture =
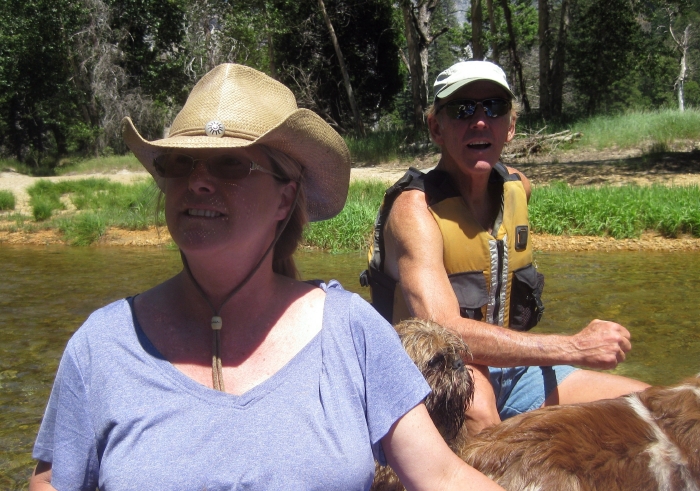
646	441
439	355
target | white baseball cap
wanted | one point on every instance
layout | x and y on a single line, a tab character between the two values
466	72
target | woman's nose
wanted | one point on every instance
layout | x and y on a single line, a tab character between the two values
200	180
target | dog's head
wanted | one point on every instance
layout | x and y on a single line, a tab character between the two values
439	355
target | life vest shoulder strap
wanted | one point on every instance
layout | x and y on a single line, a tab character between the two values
412	179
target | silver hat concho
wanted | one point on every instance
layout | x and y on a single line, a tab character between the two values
215	129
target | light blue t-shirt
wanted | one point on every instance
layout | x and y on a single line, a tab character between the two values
121	417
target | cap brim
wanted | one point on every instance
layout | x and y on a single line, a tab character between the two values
452	88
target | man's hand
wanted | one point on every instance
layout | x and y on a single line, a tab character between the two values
601	344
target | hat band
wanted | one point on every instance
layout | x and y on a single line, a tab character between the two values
227	133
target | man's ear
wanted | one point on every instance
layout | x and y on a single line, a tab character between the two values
511	129
435	129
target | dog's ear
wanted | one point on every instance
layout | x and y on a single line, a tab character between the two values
452	392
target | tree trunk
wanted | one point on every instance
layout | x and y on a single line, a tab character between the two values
545	74
477	23
557	71
417	17
683	44
681	74
514	55
346	78
495	55
417	66
270	43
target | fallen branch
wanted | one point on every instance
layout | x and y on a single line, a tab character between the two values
525	144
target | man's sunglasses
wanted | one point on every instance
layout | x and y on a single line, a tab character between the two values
465	108
173	165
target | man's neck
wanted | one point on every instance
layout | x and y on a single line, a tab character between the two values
475	191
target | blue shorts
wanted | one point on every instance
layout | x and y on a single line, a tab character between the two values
522	389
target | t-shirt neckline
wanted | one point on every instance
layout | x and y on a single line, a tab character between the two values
252	395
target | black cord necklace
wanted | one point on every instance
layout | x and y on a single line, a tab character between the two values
216	321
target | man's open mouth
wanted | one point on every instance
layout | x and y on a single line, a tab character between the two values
479	145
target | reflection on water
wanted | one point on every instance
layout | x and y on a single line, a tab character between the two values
46	293
652	294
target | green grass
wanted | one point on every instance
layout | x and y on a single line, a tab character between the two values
558	209
83	229
351	229
7	200
100	204
103	164
386	145
77	165
655	130
619	212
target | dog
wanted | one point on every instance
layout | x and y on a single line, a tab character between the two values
643	441
439	355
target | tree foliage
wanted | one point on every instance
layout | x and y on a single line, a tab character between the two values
70	70
601	52
307	62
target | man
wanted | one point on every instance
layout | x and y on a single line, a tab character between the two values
453	246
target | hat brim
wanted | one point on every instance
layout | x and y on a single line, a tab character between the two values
452	88
303	136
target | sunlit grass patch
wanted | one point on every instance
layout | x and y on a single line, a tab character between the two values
655	130
99	204
619	212
83	229
105	165
352	227
386	145
7	200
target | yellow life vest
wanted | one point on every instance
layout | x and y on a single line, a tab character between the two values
491	274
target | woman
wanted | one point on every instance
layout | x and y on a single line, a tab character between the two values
234	374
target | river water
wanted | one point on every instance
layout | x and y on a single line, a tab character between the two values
46	293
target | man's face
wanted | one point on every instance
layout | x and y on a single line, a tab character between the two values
473	144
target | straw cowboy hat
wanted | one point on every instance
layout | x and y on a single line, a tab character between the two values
235	106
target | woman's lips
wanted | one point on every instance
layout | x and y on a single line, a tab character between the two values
197	212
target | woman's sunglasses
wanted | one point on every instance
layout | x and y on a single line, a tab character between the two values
173	165
465	108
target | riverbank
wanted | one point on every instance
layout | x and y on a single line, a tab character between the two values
592	168
541	242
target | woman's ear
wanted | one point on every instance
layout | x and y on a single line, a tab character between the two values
288	195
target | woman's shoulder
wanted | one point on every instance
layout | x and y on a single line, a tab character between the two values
338	299
105	322
345	309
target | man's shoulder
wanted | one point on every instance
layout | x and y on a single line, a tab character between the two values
408	204
410	223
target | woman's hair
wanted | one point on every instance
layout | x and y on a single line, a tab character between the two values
289	169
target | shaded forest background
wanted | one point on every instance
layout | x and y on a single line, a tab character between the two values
70	70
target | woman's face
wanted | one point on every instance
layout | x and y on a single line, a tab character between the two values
209	214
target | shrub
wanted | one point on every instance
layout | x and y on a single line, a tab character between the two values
7	200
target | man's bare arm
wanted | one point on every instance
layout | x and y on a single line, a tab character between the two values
414	251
